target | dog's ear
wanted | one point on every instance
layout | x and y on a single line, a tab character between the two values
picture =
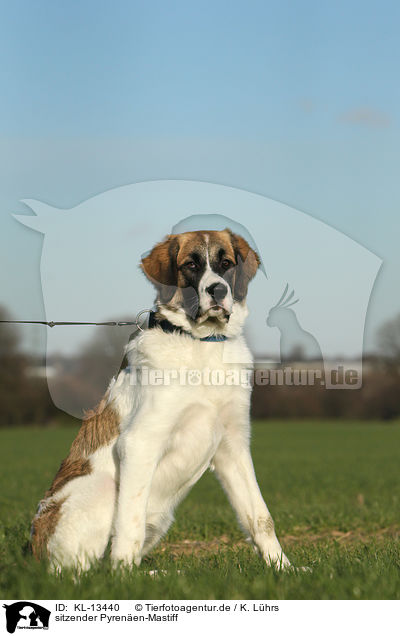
160	267
247	263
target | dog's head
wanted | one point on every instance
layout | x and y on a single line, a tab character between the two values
202	273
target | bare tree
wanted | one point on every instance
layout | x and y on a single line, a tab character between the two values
23	399
388	339
12	373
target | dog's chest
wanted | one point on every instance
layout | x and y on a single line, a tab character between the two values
168	351
177	372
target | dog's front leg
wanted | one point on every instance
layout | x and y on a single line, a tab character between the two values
234	468
140	448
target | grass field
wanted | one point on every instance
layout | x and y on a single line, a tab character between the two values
333	489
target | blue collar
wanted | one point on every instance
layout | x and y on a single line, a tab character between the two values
219	337
168	327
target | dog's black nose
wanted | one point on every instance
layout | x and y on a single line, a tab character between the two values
217	291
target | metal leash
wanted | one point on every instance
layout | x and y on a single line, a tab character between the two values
53	323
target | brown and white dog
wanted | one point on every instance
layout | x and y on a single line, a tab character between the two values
148	443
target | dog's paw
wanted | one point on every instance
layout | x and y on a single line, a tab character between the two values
125	553
298	569
279	561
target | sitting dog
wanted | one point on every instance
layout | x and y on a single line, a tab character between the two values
137	456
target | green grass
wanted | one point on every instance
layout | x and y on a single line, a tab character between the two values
333	489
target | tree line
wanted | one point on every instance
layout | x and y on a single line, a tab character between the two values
25	398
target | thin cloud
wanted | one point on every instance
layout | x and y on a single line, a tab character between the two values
307	105
366	117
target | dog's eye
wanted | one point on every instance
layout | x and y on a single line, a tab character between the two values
191	265
226	264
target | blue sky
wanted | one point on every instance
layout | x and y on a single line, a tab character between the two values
298	101
221	69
